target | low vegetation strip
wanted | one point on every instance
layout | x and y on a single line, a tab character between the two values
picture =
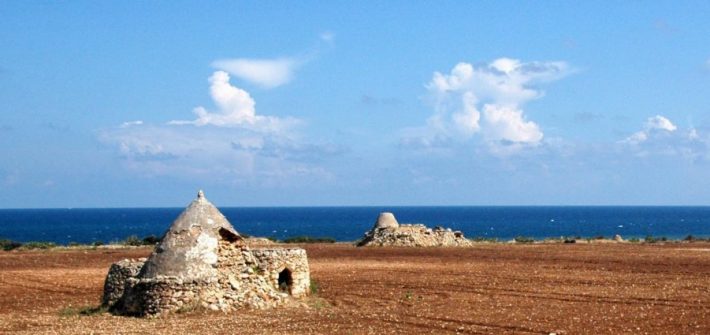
134	240
308	239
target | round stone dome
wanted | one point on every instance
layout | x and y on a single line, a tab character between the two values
386	220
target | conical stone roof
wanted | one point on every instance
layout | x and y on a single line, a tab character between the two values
189	248
386	220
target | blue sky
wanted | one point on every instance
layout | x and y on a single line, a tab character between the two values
115	104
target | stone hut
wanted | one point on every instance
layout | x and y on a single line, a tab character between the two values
388	232
203	262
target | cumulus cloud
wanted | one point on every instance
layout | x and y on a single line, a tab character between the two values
267	73
661	137
486	99
655	125
233	142
235	108
507	123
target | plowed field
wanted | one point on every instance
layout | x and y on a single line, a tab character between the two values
487	289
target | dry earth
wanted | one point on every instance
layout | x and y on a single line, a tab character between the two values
486	289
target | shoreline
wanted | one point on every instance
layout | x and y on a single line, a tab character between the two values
150	241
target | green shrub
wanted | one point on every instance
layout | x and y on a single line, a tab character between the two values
651	239
308	239
634	240
691	238
315	287
524	239
97	243
38	245
73	244
84	311
8	245
484	239
132	240
151	240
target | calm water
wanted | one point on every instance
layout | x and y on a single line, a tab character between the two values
349	223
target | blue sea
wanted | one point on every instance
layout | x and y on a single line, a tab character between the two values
63	226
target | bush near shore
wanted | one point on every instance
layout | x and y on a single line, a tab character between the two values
133	240
308	239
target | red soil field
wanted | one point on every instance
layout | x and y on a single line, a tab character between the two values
486	289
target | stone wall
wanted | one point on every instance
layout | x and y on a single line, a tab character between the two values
414	235
116	279
244	278
294	261
154	296
243	281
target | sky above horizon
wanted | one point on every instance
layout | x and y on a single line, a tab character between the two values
132	104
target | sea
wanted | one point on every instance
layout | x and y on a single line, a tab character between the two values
64	226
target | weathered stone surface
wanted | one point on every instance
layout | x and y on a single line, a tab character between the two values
386	232
386	220
189	248
116	279
204	263
291	262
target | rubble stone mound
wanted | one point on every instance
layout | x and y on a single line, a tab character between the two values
202	262
388	232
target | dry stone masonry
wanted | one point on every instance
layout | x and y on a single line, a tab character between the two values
388	232
202	262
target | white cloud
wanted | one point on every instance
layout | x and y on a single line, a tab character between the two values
661	137
267	73
500	89
233	143
660	123
272	72
508	124
236	108
131	123
653	126
327	36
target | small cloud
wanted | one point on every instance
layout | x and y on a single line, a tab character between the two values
267	73
4	128
131	123
271	72
327	36
654	125
707	64
661	123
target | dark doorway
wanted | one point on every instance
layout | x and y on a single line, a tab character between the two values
285	281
